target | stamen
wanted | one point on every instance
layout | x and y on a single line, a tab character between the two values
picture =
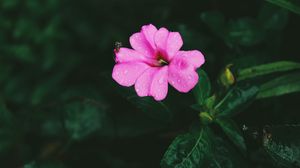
162	62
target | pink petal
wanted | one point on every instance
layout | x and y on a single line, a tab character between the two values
168	43
139	43
182	76
174	43
149	32
160	39
128	55
127	73
193	57
143	83
159	85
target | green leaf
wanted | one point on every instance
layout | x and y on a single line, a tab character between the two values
202	89
225	156
266	69
6	116
83	119
35	164
188	150
236	99
244	32
291	5
279	86
273	18
282	143
154	109
233	132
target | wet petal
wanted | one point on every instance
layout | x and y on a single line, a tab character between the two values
182	76
139	43
160	39
149	32
129	55
126	74
159	85
174	43
193	57
143	83
168	43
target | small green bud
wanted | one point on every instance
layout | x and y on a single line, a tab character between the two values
205	118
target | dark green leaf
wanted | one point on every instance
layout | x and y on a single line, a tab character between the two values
279	86
266	69
154	109
225	156
202	89
282	143
44	165
245	32
83	119
292	5
236	99
272	17
6	116
187	151
233	132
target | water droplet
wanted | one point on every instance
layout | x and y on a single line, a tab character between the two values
161	80
178	80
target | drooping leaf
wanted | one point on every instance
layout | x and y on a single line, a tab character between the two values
282	143
236	99
291	5
266	69
188	150
279	86
233	132
202	89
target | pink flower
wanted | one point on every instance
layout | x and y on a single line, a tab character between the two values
155	61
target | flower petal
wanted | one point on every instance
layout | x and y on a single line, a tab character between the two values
193	57
168	43
139	43
159	85
128	55
174	43
126	74
182	76
149	32
160	39
143	83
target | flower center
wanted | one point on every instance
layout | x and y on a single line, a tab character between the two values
161	61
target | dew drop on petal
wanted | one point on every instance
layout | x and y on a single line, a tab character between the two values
161	80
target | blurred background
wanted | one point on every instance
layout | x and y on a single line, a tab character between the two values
60	108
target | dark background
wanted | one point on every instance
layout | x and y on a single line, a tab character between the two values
60	107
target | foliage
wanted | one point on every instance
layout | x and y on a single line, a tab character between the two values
60	108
